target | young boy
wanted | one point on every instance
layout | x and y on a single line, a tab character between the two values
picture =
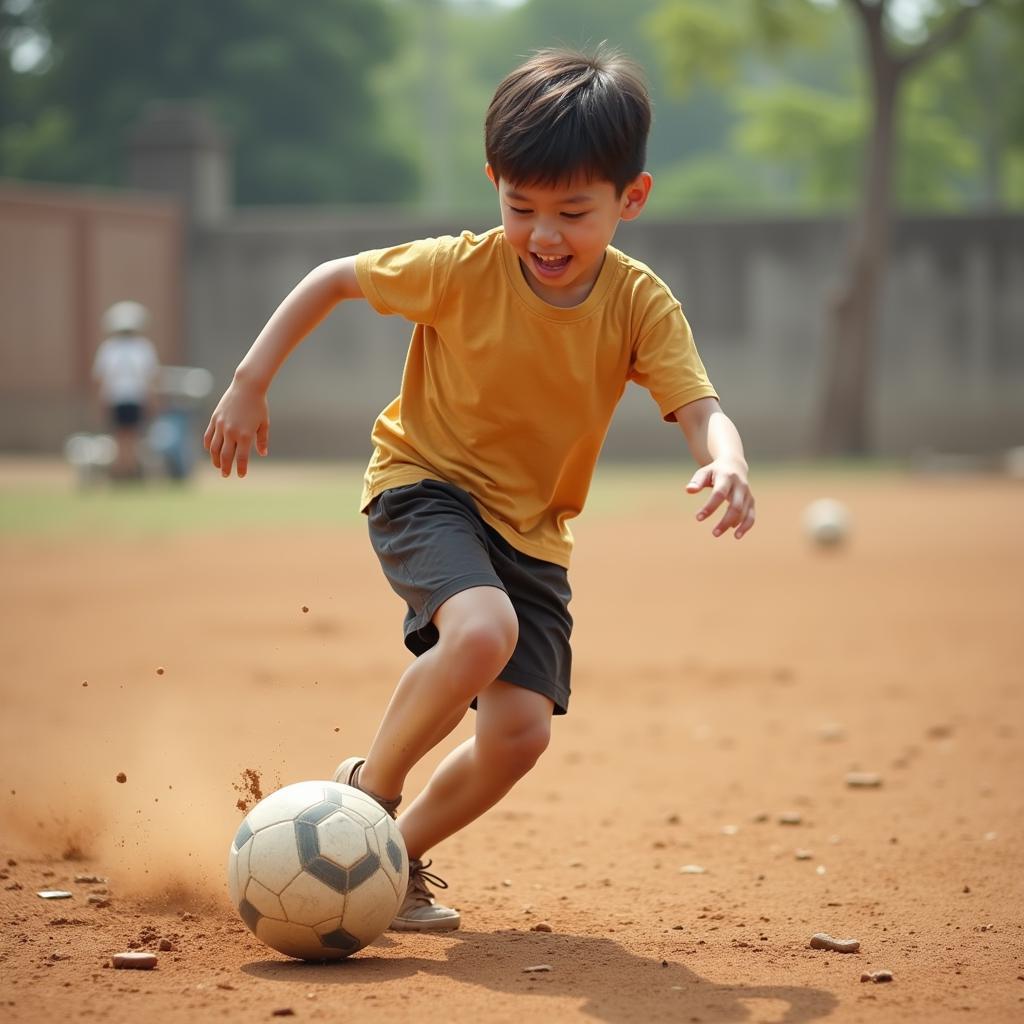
524	340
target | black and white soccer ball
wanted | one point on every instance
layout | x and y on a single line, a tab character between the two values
318	870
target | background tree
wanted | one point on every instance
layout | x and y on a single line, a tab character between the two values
290	82
704	39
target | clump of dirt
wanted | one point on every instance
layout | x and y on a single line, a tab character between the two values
249	790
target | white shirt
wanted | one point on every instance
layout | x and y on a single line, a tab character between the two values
125	367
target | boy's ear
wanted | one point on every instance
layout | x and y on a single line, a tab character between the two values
490	174
635	195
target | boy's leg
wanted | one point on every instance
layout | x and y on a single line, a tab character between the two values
477	633
513	726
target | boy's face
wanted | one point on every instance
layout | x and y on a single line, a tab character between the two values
560	233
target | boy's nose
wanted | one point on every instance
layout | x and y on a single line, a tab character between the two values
545	233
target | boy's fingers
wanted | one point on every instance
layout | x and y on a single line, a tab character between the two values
208	436
718	495
748	520
227	455
733	515
699	480
263	437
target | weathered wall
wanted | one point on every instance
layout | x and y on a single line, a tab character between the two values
950	366
949	374
65	256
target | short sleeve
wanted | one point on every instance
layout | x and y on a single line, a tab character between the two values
665	362
406	280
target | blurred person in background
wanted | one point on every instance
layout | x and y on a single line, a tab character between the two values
125	371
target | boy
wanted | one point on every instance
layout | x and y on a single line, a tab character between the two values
524	340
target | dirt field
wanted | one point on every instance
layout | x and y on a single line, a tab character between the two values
718	686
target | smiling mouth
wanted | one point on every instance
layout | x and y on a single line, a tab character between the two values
550	264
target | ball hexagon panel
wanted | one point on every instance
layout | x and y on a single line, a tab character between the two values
334	936
263	900
371	907
342	840
393	858
309	901
274	856
297	940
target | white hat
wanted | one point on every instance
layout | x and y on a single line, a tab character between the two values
125	316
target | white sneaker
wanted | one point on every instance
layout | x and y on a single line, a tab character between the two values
421	912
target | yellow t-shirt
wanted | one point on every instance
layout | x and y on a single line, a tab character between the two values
509	397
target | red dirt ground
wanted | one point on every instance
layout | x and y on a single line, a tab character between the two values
718	685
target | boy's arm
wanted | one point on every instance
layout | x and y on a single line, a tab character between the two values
241	415
715	445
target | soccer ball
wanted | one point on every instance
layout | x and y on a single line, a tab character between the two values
826	522
318	870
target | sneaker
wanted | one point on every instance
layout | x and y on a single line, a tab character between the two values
421	912
347	773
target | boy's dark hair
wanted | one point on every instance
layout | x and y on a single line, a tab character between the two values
564	113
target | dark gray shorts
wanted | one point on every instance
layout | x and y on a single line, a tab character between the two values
432	544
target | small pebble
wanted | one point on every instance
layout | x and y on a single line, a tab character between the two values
54	894
134	961
821	940
539	969
60	956
90	879
166	946
877	976
121	777
804	855
863	780
692	869
285	1011
305	609
160	670
791	818
541	926
96	900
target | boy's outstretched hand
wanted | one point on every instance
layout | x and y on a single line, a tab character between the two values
728	483
241	417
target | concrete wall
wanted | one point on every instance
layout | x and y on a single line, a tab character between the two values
950	367
65	256
949	373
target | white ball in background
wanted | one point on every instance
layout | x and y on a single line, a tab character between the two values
826	522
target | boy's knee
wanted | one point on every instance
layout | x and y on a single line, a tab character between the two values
518	750
483	637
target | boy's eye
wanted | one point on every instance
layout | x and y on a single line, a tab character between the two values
574	216
516	209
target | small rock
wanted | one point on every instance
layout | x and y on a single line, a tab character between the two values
804	855
305	609
791	818
134	961
166	946
14	887
877	976
506	882
96	900
90	880
863	780
541	926
60	956
285	1011
54	894
821	940
121	777
539	969
692	869
160	670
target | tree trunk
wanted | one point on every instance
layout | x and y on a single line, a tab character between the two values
853	316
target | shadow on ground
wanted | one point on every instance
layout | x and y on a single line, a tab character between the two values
611	983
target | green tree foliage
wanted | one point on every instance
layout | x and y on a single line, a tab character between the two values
290	82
